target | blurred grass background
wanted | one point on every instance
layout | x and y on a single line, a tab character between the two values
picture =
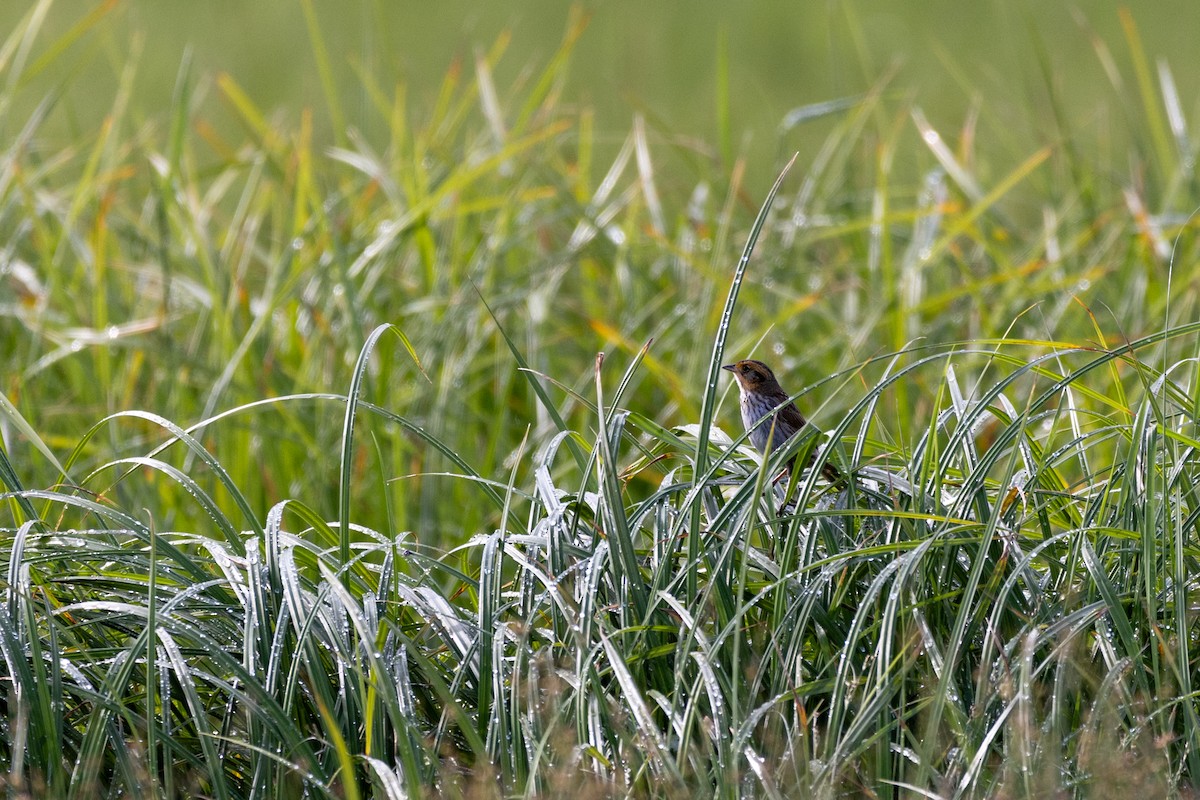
718	77
219	200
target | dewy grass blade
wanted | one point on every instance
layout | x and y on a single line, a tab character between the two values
487	624
10	415
353	397
658	752
24	512
202	498
612	507
708	408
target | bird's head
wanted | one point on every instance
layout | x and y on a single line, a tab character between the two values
752	375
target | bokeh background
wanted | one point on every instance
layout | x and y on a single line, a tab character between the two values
204	191
681	64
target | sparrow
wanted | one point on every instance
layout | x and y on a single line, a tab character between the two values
761	396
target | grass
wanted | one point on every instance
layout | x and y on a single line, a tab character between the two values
314	484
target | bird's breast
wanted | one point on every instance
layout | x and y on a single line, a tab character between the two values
754	409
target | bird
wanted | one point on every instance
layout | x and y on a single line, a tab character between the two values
761	395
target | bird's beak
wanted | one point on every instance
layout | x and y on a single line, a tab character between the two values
729	367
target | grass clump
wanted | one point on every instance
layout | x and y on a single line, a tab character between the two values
314	484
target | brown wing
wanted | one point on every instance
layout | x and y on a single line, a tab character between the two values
791	416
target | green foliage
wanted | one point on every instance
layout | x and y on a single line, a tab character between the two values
313	482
